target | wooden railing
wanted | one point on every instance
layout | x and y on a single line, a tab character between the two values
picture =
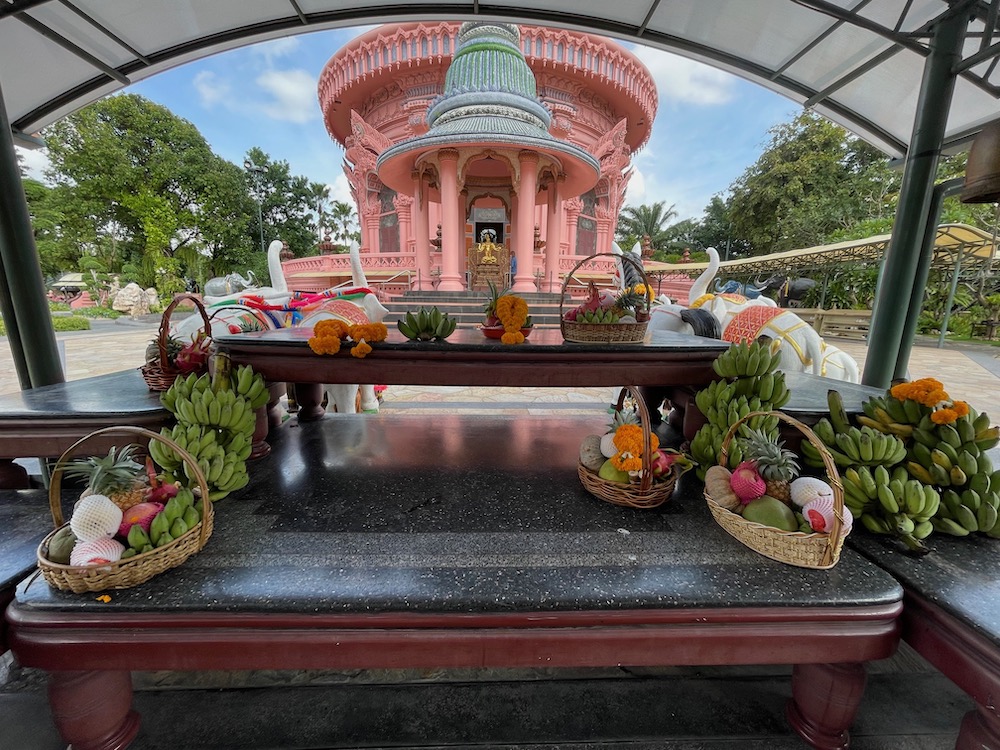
841	324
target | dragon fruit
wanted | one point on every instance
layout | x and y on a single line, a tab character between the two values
747	483
193	357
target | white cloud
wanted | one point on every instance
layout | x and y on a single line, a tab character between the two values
276	48
683	81
293	94
211	89
340	190
35	161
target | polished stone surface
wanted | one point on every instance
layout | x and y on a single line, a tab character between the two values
961	575
375	514
124	393
472	339
24	520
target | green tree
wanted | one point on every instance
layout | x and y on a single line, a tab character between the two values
130	174
287	207
634	222
813	179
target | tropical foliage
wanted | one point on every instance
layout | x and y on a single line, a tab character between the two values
135	191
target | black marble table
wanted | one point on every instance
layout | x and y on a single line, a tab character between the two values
952	618
470	358
390	542
24	520
44	422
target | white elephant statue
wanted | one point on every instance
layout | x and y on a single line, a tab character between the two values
800	347
271	307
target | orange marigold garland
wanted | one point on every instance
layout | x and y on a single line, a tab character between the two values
628	442
513	314
931	393
328	336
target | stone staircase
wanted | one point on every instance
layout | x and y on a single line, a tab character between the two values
467	307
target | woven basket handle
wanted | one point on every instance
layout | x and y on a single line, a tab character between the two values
828	463
646	476
55	482
627	257
165	323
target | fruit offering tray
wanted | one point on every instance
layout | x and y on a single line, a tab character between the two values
112	565
819	550
609	329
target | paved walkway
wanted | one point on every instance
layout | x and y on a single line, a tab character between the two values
971	373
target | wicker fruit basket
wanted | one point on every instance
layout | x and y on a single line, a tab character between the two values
815	550
607	333
137	569
160	374
645	493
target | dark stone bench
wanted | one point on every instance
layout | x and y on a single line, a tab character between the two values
951	616
364	542
44	422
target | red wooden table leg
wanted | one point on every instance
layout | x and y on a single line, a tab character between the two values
825	700
310	400
93	710
13	476
980	730
261	427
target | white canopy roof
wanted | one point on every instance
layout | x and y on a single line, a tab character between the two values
858	62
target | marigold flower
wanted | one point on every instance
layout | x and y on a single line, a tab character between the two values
361	349
512	312
325	344
961	408
512	337
331	327
943	416
369	332
628	439
626	462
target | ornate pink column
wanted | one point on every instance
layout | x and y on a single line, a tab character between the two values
451	278
553	237
524	232
421	231
370	229
572	209
404	212
604	230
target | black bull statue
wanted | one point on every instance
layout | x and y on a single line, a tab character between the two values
789	290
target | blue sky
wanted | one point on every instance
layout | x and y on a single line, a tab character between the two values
710	125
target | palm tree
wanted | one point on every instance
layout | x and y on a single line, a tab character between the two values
320	195
344	221
636	221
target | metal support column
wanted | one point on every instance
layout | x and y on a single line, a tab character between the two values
22	289
897	284
940	192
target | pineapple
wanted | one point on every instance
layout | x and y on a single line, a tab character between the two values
776	465
118	476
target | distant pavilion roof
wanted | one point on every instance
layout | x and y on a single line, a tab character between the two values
974	246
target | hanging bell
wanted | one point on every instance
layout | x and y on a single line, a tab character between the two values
982	170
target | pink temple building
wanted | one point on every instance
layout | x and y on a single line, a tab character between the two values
480	152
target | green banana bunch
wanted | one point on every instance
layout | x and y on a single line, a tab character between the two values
746	360
972	509
427	325
892	504
877	415
600	315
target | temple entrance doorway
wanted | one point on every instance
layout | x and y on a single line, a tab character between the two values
488	257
